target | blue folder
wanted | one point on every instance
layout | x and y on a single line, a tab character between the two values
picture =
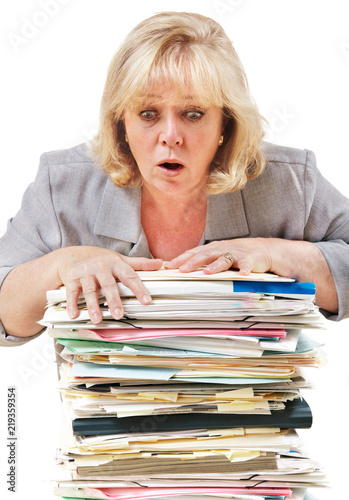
275	288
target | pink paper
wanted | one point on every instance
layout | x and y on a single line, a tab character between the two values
124	335
138	493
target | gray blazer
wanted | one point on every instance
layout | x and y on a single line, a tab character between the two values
72	202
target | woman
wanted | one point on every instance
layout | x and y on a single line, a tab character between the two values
178	174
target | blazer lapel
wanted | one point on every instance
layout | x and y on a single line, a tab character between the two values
226	217
119	217
120	208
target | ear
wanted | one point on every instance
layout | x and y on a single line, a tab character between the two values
225	120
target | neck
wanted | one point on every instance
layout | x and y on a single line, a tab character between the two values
172	224
181	202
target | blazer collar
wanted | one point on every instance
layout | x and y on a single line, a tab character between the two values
120	208
119	213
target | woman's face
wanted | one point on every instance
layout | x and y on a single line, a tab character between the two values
173	143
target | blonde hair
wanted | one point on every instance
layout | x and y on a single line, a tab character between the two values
186	51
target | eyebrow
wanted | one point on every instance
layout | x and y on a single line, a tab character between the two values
154	96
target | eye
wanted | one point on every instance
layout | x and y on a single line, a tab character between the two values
147	114
194	114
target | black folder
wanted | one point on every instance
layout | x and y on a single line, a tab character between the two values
295	415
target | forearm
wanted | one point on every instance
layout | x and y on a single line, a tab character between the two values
303	261
82	269
23	292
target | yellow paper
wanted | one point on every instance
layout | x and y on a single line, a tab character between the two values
236	406
244	393
161	396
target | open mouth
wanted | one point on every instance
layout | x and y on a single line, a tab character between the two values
171	166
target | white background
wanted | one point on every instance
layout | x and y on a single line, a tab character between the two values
53	66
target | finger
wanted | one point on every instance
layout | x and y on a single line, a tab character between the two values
219	265
245	266
180	260
90	291
73	290
204	258
142	263
128	276
109	287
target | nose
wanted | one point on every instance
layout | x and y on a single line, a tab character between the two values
171	134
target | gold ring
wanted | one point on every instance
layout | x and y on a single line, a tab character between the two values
229	256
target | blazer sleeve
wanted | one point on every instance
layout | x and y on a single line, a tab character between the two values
327	225
32	233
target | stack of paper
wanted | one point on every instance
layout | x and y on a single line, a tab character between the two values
194	395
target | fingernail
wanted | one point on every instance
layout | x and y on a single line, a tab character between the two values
118	313
185	267
71	313
146	299
244	272
210	269
95	318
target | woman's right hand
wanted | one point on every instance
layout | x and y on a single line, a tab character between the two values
91	269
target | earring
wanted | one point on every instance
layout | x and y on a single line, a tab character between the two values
126	138
221	139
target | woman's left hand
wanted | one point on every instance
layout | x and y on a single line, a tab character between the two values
247	255
300	260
